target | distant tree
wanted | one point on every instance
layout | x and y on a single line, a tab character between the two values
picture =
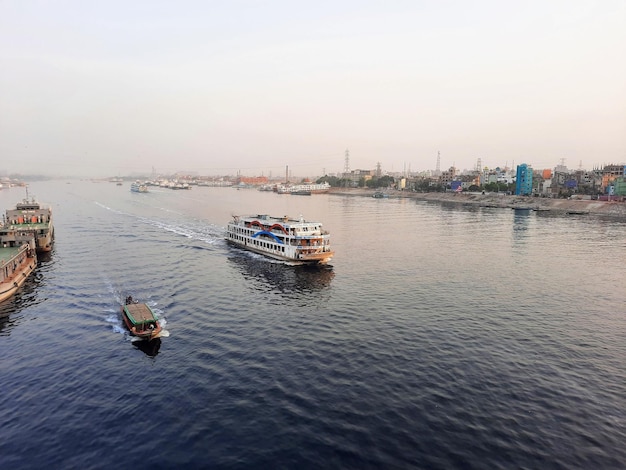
422	185
382	182
497	187
385	181
332	180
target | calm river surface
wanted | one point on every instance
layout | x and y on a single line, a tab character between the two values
440	337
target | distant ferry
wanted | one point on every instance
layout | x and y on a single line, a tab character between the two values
282	238
28	220
305	188
138	187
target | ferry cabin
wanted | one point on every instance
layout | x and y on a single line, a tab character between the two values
30	220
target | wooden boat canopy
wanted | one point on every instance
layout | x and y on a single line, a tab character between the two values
139	314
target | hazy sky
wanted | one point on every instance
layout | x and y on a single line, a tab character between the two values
118	87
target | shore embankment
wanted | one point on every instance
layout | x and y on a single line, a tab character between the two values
614	209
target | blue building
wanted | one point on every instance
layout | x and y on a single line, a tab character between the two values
524	180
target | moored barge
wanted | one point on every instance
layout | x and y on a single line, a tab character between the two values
32	220
16	264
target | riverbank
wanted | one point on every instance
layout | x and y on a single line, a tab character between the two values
563	206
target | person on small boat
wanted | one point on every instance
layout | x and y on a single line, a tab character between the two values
129	300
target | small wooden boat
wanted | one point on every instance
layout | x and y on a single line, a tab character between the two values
140	319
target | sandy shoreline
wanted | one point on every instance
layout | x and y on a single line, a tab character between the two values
564	206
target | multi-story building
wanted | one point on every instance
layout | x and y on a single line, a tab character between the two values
448	176
619	186
524	180
252	180
611	172
354	176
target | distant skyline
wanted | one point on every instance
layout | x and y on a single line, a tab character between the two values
108	88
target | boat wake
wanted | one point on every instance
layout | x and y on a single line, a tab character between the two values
199	230
207	234
116	323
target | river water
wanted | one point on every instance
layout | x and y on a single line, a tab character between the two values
439	337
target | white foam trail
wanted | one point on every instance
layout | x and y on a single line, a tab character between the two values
209	234
115	324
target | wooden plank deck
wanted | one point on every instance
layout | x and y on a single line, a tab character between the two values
140	312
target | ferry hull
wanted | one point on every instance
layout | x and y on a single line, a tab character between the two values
317	258
11	284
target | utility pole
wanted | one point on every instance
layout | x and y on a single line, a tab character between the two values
346	166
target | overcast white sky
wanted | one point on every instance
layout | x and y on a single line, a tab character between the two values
96	88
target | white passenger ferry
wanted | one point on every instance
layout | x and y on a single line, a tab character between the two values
138	187
310	188
295	241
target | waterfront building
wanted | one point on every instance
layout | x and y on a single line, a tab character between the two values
524	180
619	186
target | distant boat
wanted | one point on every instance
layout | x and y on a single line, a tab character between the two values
380	195
301	192
313	188
140	319
282	238
177	185
138	187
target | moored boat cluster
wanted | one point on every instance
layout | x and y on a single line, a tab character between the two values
25	231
